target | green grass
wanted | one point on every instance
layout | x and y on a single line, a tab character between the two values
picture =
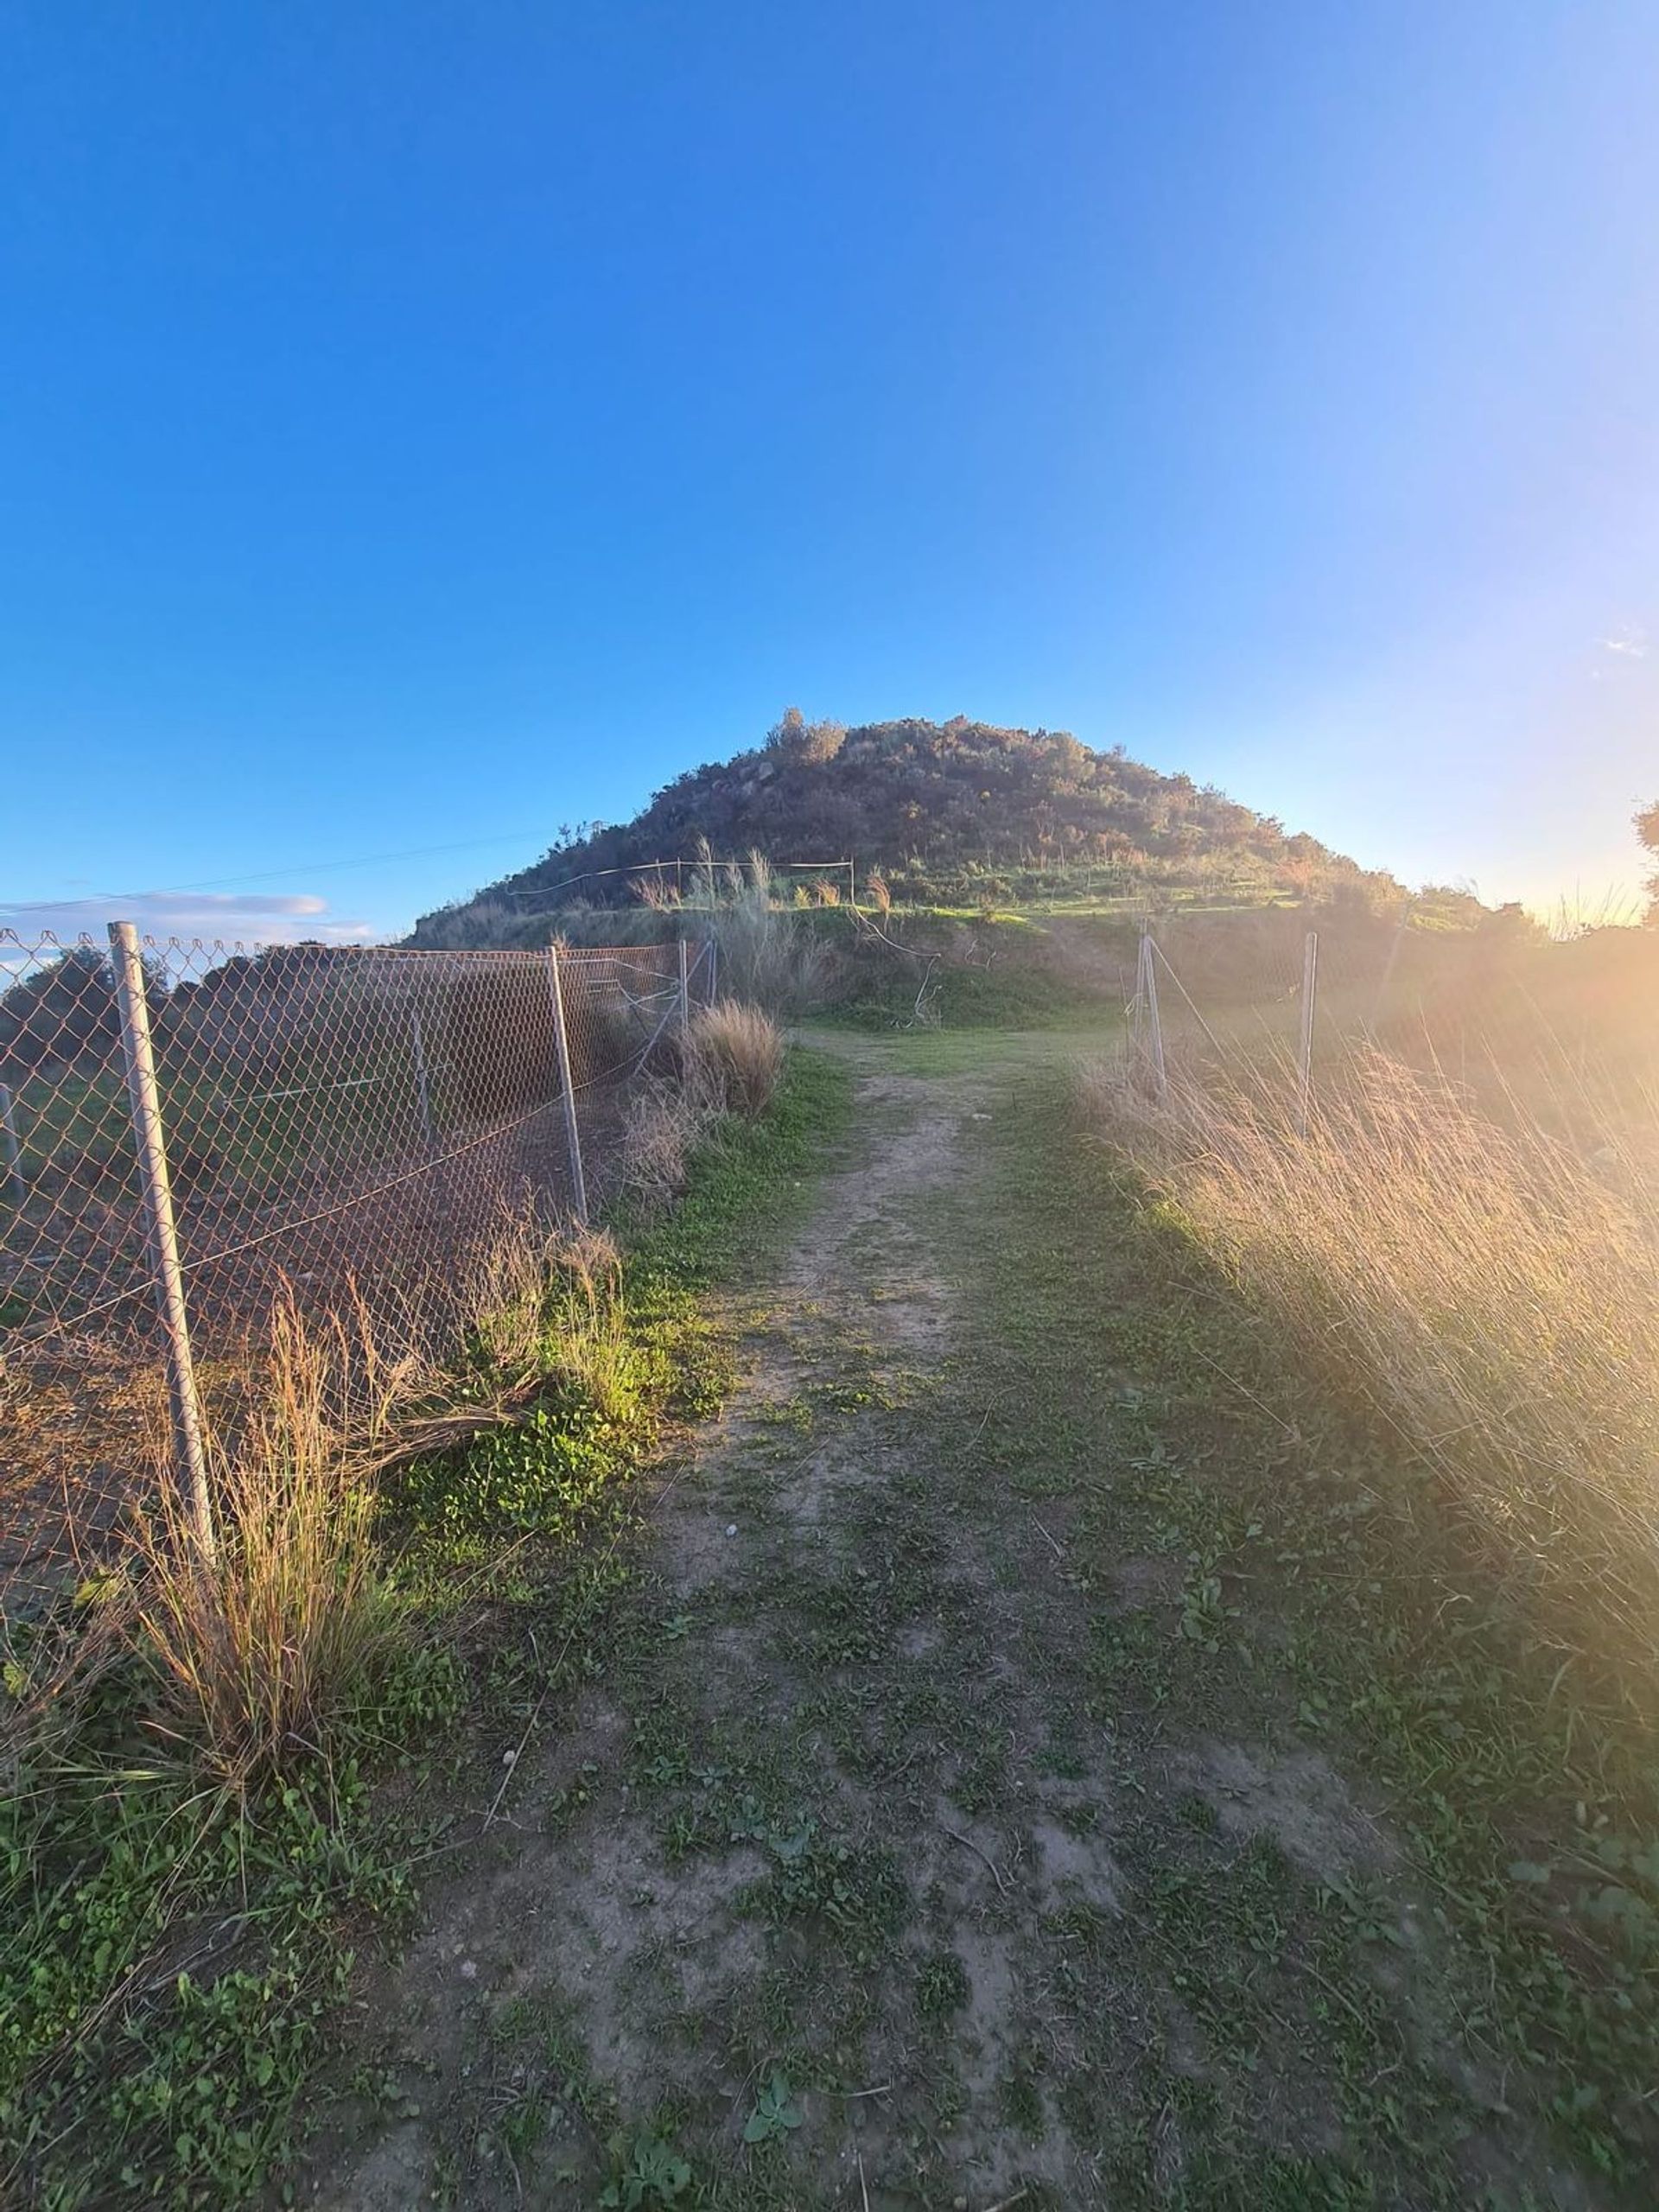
175	1954
1529	1811
960	998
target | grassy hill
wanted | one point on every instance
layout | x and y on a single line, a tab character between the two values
953	813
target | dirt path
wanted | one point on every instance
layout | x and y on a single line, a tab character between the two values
925	1842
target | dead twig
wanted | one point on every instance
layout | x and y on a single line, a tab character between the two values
984	1424
967	1844
1046	1538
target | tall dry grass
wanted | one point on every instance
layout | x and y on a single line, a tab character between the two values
257	1651
662	1126
1486	1295
258	1654
732	1056
768	957
728	1062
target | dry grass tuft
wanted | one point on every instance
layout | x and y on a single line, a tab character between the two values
662	1125
730	1060
1483	1292
733	1055
584	1338
258	1651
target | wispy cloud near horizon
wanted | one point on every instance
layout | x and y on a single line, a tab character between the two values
248	918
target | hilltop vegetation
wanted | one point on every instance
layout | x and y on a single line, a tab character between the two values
949	813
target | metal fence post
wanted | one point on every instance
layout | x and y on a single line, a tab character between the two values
1305	1049
685	985
11	1155
422	1084
713	969
133	997
567	1089
1154	1026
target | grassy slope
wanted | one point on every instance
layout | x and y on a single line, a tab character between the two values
174	1959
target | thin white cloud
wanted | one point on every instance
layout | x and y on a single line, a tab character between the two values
211	918
1633	644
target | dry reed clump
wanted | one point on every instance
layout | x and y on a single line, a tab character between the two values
767	956
730	1060
1480	1290
733	1054
259	1652
662	1125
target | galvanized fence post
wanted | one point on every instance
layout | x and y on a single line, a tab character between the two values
685	985
1154	1026
423	1082
1305	1048
567	1088
10	1152
138	1049
713	969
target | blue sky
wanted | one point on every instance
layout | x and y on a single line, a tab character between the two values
425	424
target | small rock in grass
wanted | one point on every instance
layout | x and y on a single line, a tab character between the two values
731	1528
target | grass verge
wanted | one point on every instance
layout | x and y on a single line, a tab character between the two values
1525	1799
177	1935
1478	1294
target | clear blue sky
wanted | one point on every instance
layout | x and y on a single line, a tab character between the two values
426	424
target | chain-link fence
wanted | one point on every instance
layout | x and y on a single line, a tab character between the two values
1286	1001
189	1131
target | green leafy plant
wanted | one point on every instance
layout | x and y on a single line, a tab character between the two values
646	2171
775	2115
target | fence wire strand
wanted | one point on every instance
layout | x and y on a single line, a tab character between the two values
339	1123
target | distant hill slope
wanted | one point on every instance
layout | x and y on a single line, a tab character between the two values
943	810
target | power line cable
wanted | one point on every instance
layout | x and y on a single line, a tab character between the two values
266	875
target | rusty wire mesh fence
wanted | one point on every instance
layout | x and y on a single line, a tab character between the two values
335	1124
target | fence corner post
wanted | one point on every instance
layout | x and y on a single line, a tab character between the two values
138	1050
567	1088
